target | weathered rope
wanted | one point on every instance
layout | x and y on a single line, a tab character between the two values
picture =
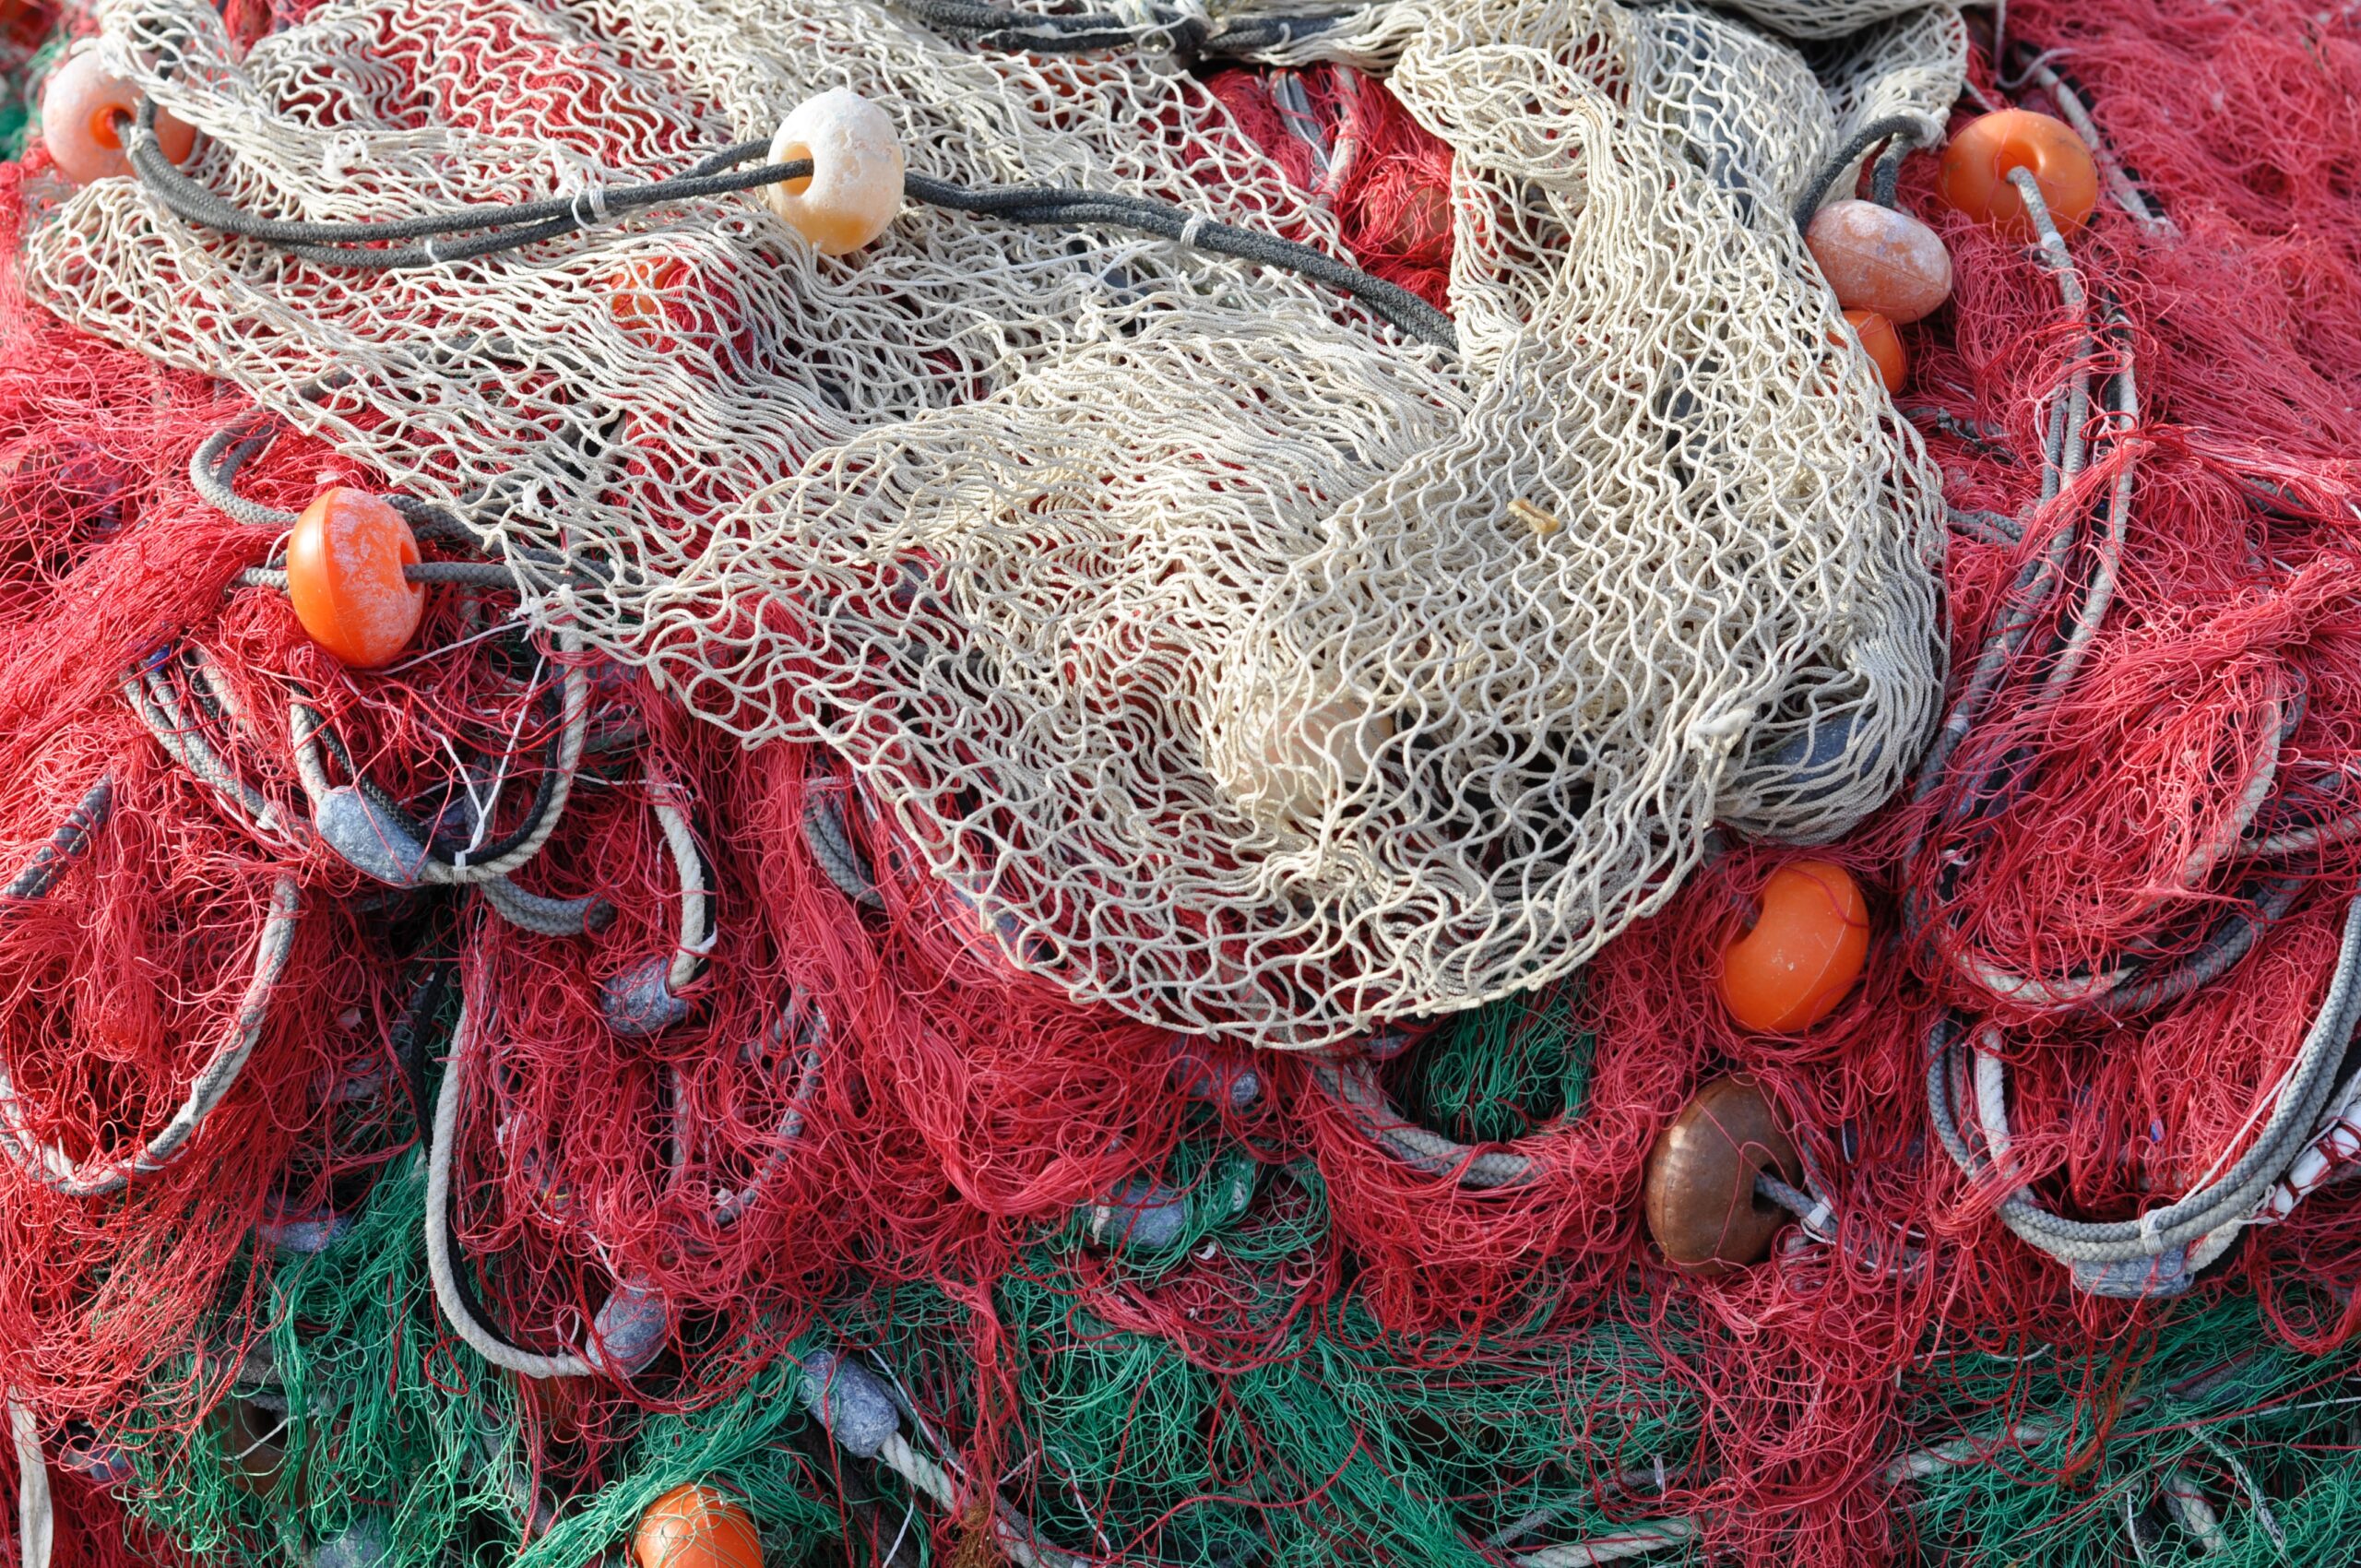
58	1170
495	230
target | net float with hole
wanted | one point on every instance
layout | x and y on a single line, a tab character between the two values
854	188
1974	178
1807	946
83	112
345	563
1699	1193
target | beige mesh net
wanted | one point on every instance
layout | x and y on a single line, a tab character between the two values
1248	667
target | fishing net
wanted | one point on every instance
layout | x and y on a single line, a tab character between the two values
1220	677
834	1124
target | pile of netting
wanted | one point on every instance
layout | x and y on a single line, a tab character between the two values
1063	889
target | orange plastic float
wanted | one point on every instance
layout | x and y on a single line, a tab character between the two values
696	1526
1803	952
639	290
1974	178
1884	344
1880	260
78	114
344	575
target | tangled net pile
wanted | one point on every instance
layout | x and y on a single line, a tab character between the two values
1221	677
763	993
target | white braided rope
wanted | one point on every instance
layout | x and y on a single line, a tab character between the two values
1638	1540
59	1170
1227	682
439	1263
36	1521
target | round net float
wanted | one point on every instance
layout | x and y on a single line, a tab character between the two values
1702	1206
637	290
254	1445
1210	1077
1285	751
1878	259
345	563
630	1331
696	1526
855	187
82	116
361	1544
1807	946
1876	335
1973	179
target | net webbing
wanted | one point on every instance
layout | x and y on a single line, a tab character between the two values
1224	677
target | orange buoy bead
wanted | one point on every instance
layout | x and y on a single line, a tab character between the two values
1974	178
344	575
1880	260
697	1527
1884	344
1700	1200
639	290
1803	952
79	108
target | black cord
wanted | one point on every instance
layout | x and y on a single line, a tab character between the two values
1904	127
1043	205
965	16
421	1011
1885	180
494	230
1020	32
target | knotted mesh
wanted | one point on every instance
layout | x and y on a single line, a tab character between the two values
1245	665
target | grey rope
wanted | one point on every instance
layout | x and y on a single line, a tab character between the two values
857	1411
496	229
830	839
1632	1540
557	783
1354	1086
213	467
455	1299
1017	32
2132	986
447	1295
544	916
1908	130
69	844
697	931
56	1171
467	574
36	1521
158	707
2230	1199
2119	183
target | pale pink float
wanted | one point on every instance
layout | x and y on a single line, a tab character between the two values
79	111
1878	259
